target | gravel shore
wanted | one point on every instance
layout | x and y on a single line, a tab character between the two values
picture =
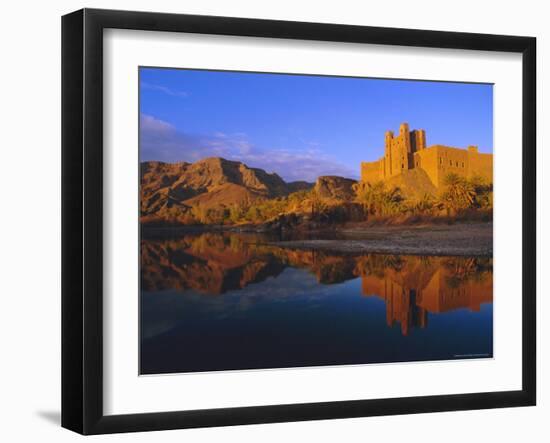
468	239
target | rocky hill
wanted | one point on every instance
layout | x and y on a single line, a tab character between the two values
413	183
169	190
335	188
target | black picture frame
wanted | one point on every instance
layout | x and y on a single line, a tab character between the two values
82	218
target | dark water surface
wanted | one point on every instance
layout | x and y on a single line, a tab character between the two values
213	301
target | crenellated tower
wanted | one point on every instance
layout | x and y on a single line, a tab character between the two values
404	133
398	155
418	140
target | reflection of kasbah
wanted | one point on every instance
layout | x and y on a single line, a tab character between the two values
417	287
408	152
411	286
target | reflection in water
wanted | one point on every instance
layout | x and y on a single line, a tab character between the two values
299	295
413	286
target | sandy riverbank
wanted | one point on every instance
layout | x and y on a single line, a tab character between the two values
458	239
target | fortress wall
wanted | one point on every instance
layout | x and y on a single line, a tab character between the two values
427	160
480	292
482	165
451	160
437	297
370	171
408	151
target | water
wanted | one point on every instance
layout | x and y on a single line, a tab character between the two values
213	301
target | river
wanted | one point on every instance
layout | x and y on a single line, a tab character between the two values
214	301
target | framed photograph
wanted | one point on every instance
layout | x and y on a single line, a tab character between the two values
269	221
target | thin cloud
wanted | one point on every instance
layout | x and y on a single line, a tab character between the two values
154	126
165	90
160	140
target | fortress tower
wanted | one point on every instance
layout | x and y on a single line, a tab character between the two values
408	150
398	152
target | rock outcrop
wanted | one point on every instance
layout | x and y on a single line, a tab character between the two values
334	187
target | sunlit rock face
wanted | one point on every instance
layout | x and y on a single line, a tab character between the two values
337	188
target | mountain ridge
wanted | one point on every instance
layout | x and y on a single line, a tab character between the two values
170	190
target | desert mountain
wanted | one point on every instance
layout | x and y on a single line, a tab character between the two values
168	189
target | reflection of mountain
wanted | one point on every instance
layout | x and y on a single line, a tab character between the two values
411	286
209	263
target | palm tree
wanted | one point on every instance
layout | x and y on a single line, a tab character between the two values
317	204
424	205
458	194
390	201
367	194
376	199
484	192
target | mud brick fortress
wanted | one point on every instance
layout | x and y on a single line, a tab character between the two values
408	151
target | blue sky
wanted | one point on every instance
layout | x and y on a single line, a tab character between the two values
301	126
